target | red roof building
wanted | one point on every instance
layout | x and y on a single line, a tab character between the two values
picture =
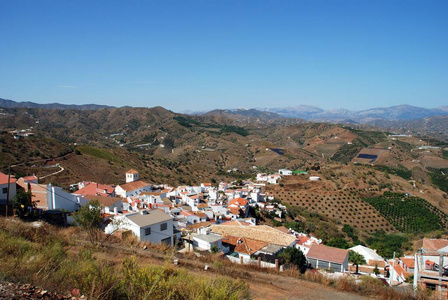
238	202
430	246
329	258
4	179
96	189
244	245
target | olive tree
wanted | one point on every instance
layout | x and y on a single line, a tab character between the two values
89	218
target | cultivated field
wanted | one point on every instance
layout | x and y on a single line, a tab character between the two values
344	206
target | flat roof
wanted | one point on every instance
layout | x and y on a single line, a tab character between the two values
152	217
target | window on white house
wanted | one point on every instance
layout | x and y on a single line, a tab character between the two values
148	231
163	226
5	190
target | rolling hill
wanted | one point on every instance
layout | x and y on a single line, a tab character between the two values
166	147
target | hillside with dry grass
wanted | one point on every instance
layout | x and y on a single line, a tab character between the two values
60	260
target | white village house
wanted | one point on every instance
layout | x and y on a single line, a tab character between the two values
133	186
49	197
152	226
370	255
204	240
285	172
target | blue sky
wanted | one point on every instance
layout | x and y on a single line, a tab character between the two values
201	55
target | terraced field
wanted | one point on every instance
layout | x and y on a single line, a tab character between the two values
409	213
344	206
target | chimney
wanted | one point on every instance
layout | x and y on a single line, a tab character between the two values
115	210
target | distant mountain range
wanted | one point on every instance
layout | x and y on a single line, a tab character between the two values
13	104
312	113
399	112
373	116
252	113
400	118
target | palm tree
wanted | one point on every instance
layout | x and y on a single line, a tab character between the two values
356	258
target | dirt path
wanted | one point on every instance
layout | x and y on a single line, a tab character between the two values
271	286
57	172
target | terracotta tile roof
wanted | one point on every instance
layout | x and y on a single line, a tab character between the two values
238	202
262	233
327	253
201	215
103	200
283	229
187	213
207	184
244	245
198	225
235	223
202	205
95	189
432	245
428	262
30	178
134	185
132	171
302	239
409	262
4	179
234	210
400	271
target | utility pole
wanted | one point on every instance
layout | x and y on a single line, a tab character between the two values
7	190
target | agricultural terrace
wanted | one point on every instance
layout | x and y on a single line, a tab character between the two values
344	206
409	213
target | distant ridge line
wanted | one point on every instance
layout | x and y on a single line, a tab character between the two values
5	103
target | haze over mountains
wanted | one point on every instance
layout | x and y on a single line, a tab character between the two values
13	104
306	112
312	113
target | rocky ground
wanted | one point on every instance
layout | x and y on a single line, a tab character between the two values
10	290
